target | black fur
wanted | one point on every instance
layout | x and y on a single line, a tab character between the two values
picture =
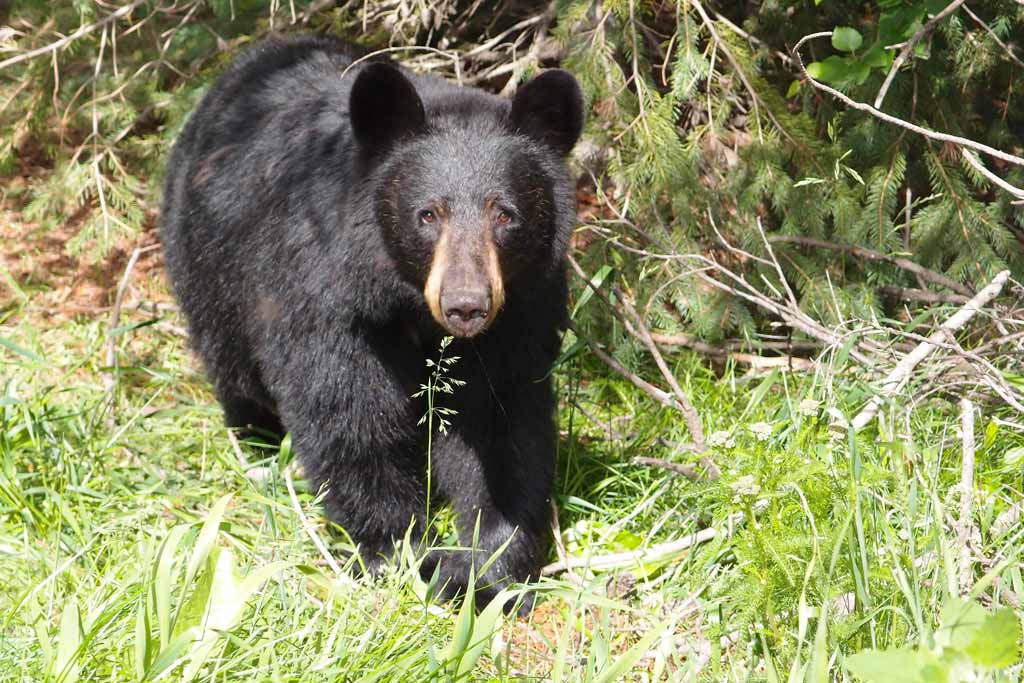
293	240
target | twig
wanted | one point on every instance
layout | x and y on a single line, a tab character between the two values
871	255
753	360
966	493
631	558
663	397
861	106
686	406
992	34
909	45
57	45
563	554
689	471
796	319
980	167
899	375
115	316
922	295
635	325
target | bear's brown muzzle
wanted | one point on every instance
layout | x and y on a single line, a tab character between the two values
464	289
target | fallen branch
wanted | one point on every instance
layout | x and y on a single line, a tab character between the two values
663	397
922	295
753	360
888	118
965	525
631	558
635	325
901	373
871	255
704	470
909	45
693	422
57	45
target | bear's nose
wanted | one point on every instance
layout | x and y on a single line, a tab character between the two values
465	310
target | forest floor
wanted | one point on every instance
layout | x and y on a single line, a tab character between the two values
139	540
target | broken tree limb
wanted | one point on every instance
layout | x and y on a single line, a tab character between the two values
871	255
632	558
901	373
965	524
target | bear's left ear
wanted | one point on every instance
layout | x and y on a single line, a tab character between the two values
550	109
384	106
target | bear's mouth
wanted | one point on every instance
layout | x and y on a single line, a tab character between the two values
464	289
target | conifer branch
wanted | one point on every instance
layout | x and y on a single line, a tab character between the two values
68	39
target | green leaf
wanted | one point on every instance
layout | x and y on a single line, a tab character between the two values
897	666
961	621
995	643
877	57
69	640
839	71
846	39
20	350
794	89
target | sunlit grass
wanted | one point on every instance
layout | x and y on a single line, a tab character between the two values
143	547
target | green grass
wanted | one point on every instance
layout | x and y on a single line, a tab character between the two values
133	545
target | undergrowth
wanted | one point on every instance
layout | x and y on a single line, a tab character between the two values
137	543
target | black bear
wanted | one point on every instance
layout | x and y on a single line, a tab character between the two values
327	221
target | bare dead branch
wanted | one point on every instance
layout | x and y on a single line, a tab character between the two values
965	525
888	118
686	406
68	39
705	469
922	295
980	167
901	373
871	255
663	397
897	63
988	29
632	558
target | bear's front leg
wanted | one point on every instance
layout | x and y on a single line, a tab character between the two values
354	430
496	466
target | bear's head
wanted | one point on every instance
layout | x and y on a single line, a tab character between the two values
472	192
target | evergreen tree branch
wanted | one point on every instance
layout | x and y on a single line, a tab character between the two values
988	29
901	373
897	63
888	118
88	28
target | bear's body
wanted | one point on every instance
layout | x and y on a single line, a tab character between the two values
324	232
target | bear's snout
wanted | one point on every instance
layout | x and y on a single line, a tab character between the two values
466	311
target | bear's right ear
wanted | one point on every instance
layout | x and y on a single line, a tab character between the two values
384	106
549	109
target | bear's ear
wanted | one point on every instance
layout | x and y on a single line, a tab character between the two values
384	106
550	109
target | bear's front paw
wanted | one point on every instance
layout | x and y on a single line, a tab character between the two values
447	571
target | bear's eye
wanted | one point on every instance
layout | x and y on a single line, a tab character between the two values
504	218
428	217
